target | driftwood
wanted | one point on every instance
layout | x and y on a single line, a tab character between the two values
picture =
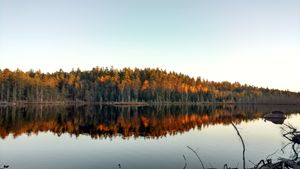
294	137
292	134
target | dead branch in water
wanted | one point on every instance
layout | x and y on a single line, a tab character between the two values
244	148
196	155
185	164
291	133
294	137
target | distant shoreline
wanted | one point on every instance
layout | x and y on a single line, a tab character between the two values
23	103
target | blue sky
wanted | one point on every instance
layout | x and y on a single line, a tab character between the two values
250	41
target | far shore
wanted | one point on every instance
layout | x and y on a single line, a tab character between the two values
49	103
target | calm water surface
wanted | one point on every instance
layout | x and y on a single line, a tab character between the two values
94	137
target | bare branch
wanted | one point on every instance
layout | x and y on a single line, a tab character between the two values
285	146
185	164
270	155
196	155
244	148
296	153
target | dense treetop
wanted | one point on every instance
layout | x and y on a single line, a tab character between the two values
129	85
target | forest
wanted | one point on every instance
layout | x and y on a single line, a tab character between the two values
103	85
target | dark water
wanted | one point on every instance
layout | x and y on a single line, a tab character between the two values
94	137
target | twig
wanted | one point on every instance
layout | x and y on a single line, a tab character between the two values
270	155
261	161
244	148
296	153
285	146
252	162
289	133
290	127
185	164
196	155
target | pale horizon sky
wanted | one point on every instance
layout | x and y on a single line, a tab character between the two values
256	42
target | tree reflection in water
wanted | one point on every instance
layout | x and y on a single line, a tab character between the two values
109	121
147	122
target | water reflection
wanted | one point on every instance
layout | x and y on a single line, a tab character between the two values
109	121
168	130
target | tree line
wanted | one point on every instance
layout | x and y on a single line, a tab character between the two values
129	85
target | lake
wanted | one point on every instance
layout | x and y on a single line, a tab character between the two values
108	137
